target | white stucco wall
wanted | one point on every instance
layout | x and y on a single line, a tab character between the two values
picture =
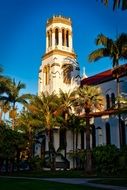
108	88
56	76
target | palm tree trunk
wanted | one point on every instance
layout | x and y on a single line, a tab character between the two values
13	124
76	148
66	117
51	149
1	113
7	165
73	145
30	142
1	164
11	165
18	159
88	151
13	116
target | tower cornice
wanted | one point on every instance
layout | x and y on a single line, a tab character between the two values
59	52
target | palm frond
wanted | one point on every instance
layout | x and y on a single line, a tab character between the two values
116	4
101	40
97	54
90	97
122	4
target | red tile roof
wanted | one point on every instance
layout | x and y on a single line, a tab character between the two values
102	77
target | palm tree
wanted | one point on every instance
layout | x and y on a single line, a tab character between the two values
66	108
77	125
29	123
46	106
116	50
13	97
90	99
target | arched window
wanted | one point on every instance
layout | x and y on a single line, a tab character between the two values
108	135
123	134
93	136
56	36
46	75
62	138
67	73
82	139
67	38
99	135
63	39
113	99
43	144
108	101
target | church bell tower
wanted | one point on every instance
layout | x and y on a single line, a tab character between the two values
59	68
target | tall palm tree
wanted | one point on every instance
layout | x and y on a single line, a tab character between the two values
66	108
29	122
90	99
116	50
77	125
13	97
46	105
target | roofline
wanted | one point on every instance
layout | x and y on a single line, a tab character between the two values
104	76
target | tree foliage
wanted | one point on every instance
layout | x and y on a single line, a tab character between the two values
114	49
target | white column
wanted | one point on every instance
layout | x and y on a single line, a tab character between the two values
70	42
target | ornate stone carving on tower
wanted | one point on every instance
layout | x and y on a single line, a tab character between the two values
59	68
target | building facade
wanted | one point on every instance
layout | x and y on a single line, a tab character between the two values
60	70
111	125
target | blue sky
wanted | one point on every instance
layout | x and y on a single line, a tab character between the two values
22	34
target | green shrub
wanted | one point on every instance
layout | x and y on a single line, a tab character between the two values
36	163
122	162
106	159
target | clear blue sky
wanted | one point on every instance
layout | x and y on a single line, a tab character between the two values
22	34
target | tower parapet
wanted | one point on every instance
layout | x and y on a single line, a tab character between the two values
59	18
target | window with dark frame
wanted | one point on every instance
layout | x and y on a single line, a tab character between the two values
108	133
